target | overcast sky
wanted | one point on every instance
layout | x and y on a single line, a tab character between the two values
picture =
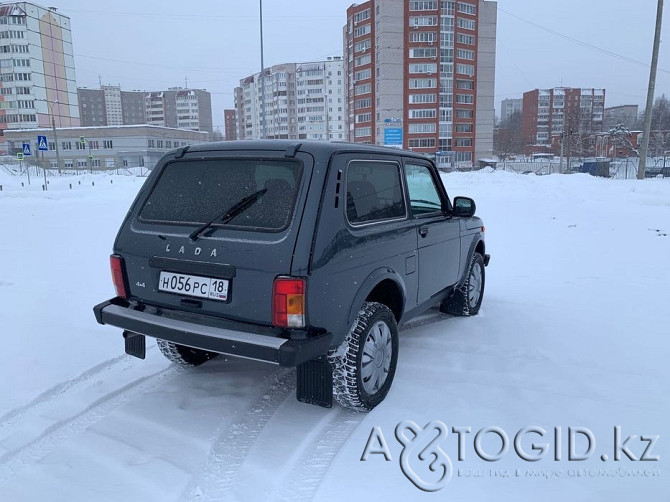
154	45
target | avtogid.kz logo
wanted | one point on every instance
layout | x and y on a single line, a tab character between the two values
425	463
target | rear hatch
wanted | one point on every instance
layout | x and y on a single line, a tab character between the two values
212	230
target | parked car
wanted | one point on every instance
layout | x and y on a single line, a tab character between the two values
299	254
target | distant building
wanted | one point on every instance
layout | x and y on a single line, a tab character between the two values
109	147
510	106
37	73
548	113
177	107
302	101
420	75
229	125
624	114
180	108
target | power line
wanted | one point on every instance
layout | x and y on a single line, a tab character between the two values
580	42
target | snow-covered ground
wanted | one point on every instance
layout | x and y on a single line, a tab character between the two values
574	332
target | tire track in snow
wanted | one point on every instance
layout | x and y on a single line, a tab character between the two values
228	453
44	401
308	469
60	432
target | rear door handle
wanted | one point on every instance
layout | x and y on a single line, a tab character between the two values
423	231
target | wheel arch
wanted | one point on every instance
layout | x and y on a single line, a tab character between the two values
384	286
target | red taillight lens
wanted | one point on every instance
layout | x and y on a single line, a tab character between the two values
288	302
118	275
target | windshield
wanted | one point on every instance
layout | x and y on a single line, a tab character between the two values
192	192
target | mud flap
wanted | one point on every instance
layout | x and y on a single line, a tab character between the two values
136	344
315	382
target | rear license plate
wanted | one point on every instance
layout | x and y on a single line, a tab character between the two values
193	285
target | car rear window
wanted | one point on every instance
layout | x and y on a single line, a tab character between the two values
197	191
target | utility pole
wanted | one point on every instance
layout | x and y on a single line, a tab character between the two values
262	76
560	164
650	93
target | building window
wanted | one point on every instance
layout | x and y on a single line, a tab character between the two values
363	103
67	145
421	128
466	39
362	30
462	113
107	144
422	83
423	68
362	89
423	52
463	142
422	21
422	98
465	84
423	36
424	5
466	8
362	75
363	131
422	143
465	99
463	127
465	69
466	24
465	54
422	113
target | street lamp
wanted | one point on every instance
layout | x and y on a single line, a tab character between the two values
53	127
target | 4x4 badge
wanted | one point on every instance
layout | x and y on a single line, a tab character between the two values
197	251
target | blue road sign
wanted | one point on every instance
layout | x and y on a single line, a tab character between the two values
42	143
26	149
393	136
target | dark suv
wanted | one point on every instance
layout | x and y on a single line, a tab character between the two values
298	254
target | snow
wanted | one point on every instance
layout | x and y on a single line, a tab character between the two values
573	332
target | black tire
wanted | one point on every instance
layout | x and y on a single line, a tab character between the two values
182	355
364	365
467	299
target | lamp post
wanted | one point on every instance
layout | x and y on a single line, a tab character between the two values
53	128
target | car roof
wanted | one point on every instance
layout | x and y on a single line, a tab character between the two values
293	146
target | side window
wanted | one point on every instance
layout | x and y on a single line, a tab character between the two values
374	192
424	197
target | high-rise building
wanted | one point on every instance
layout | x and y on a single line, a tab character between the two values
548	113
420	75
229	125
509	107
37	74
178	108
301	101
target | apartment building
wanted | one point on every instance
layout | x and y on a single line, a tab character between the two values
420	75
548	113
509	107
37	73
293	101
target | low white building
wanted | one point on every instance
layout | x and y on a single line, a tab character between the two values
100	148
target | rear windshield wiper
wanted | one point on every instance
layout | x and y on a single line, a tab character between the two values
235	210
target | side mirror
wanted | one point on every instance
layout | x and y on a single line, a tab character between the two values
464	207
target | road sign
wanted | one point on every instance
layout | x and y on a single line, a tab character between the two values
393	136
19	156
42	143
26	149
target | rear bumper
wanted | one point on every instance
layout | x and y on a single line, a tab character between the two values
206	333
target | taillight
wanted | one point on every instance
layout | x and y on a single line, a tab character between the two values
288	302
118	275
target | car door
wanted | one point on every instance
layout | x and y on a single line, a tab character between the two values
437	233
